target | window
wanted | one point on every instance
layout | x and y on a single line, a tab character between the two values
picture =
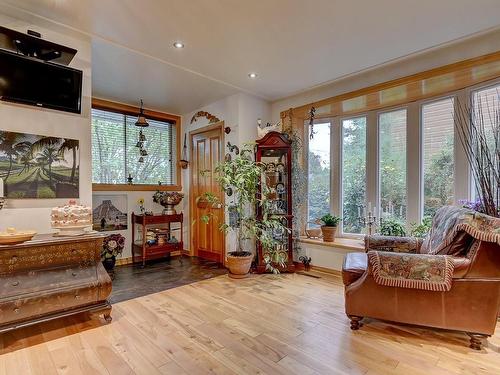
115	155
408	159
353	172
392	164
438	150
485	111
319	172
486	104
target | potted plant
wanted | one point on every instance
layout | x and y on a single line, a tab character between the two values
329	224
112	246
242	175
392	227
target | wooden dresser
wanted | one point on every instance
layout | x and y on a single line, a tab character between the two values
51	277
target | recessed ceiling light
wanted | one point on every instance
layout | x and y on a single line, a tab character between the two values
252	75
179	45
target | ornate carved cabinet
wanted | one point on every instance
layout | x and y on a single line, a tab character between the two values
51	277
274	149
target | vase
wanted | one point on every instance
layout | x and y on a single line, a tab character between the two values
109	263
328	233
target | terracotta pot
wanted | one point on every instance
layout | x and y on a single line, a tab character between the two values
239	266
328	233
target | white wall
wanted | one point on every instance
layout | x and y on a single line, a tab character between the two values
35	213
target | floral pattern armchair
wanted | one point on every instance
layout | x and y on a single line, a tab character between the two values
449	280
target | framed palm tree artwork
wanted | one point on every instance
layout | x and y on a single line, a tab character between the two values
37	166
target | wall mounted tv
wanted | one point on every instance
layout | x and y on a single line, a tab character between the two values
43	84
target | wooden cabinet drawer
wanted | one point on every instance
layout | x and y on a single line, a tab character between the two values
49	256
38	281
31	306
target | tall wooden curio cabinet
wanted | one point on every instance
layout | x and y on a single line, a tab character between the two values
275	151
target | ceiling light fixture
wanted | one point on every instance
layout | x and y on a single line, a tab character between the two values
252	75
179	45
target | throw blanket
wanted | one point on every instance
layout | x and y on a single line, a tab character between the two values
416	271
452	224
394	244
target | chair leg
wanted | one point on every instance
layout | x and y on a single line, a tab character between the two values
355	322
476	340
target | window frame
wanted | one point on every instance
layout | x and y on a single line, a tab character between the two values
306	159
341	120
125	109
469	101
456	145
378	192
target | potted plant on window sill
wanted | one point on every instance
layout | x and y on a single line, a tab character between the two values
329	224
241	175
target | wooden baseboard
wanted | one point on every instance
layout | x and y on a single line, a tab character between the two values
299	266
326	270
123	261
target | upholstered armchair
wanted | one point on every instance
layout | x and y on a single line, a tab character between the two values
451	280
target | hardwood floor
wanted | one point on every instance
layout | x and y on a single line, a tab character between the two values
285	324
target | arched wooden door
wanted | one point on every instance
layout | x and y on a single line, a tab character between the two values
207	147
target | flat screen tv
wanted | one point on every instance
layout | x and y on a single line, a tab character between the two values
30	81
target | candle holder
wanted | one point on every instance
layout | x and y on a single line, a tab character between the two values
369	221
2	202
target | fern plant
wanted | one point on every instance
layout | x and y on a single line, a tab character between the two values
329	220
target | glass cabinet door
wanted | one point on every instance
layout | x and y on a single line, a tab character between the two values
276	168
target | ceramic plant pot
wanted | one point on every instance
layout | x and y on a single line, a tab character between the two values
328	233
239	266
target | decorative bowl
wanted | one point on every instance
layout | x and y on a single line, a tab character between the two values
313	232
168	199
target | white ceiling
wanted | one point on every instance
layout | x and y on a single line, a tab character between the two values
292	44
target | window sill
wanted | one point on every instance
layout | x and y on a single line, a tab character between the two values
339	243
133	187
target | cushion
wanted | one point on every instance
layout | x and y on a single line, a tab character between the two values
355	265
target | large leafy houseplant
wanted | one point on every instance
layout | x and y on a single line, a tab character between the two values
241	175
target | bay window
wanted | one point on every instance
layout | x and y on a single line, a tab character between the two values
406	161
